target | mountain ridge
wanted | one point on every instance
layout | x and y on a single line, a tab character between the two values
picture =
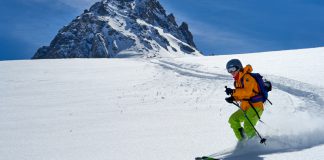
121	28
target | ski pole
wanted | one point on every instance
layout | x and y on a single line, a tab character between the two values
263	140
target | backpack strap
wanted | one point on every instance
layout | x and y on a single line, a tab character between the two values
266	98
242	80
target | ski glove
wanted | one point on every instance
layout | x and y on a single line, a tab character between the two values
229	91
229	99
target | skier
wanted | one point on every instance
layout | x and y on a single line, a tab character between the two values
245	88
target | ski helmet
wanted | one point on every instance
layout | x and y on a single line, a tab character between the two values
234	65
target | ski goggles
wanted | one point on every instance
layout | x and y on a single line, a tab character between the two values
231	69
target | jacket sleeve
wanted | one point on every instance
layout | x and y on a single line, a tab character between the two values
246	92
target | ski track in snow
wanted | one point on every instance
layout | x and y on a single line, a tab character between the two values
310	95
191	72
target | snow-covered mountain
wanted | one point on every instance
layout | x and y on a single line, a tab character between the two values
121	28
156	109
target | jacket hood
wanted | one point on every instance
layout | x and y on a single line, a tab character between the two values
247	69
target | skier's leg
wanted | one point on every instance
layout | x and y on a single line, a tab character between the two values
235	122
250	113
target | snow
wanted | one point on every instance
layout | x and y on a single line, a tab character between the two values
174	42
167	108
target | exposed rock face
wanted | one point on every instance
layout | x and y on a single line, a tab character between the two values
184	29
113	28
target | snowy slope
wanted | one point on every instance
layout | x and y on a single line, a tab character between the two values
157	109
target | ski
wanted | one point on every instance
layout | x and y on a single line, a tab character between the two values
206	158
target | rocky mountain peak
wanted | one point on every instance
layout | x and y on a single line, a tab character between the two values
121	28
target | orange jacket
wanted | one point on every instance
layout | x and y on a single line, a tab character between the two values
244	93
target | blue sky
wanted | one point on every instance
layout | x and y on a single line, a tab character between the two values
218	26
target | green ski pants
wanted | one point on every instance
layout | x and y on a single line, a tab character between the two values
238	117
